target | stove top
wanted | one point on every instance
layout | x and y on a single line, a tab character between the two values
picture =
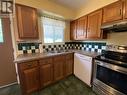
113	57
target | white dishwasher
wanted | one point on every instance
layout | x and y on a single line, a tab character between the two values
83	68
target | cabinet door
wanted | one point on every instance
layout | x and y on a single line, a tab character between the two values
125	16
59	63
27	22
46	72
113	12
81	28
69	64
31	79
73	30
28	76
94	24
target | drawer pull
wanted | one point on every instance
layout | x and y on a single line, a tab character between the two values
29	65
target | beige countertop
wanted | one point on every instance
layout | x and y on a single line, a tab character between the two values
88	53
36	56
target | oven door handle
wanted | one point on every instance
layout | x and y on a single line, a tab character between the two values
103	64
122	71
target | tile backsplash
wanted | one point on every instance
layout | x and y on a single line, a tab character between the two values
88	46
37	47
24	48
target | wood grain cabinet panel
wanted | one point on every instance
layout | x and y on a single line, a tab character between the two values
73	30
35	75
125	3
69	65
59	64
113	12
27	22
94	24
81	28
29	77
46	71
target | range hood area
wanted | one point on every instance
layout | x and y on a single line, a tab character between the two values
120	26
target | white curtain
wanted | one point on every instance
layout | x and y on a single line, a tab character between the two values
53	30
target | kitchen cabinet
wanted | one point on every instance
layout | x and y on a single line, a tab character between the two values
29	77
69	64
27	22
59	64
35	75
113	12
125	3
81	28
46	71
73	30
94	24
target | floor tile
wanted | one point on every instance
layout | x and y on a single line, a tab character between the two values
68	86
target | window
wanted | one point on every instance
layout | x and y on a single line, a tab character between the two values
1	32
53	30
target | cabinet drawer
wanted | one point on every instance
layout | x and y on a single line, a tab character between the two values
27	65
45	61
69	56
59	58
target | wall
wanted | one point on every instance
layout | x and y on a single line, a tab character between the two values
117	38
92	5
49	6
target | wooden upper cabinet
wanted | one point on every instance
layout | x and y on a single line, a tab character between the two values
81	28
125	3
73	30
113	12
27	22
94	24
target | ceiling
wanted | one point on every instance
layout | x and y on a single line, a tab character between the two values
73	4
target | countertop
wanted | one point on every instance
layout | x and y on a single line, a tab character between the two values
36	56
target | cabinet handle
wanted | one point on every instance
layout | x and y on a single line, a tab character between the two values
120	11
29	65
88	30
125	72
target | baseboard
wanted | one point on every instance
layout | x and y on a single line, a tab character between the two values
9	85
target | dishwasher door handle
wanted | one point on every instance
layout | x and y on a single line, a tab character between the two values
86	59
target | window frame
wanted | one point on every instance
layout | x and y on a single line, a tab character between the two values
1	42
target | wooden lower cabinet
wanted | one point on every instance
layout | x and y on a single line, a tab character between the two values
35	75
59	63
69	64
46	72
29	77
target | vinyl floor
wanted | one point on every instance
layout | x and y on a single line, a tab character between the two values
69	86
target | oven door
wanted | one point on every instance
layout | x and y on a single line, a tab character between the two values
111	78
